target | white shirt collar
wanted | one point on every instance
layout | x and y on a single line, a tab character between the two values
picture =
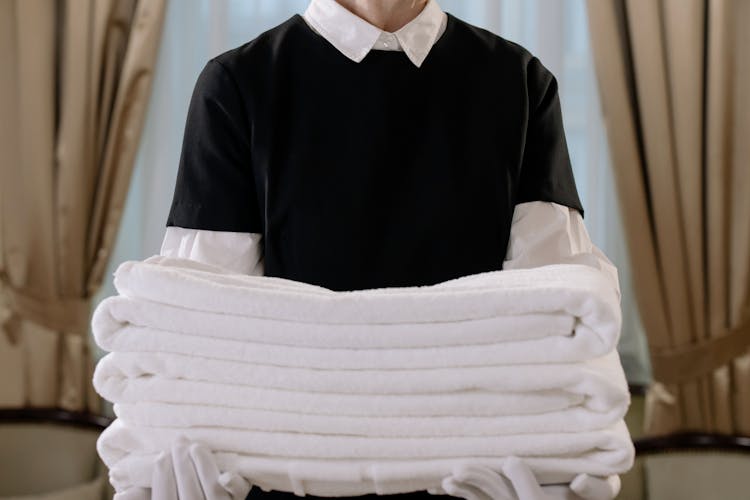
355	37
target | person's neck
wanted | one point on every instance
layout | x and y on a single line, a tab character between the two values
388	15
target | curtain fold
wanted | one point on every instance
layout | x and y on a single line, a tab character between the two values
673	79
73	95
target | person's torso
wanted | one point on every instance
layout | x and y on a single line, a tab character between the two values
381	173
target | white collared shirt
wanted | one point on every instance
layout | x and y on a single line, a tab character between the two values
541	232
355	37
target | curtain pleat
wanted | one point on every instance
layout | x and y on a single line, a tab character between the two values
673	77
73	97
739	262
129	107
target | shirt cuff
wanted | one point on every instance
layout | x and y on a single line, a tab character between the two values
544	233
238	252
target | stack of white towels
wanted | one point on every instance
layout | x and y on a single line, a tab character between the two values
299	388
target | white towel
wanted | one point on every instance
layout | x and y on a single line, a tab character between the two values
303	389
178	416
576	290
555	458
120	312
601	380
465	403
608	445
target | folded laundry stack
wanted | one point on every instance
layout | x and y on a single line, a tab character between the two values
300	388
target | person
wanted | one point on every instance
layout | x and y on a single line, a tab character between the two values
376	143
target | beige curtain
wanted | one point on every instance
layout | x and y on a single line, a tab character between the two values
73	91
674	79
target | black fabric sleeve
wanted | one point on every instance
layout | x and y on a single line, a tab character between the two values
546	171
215	189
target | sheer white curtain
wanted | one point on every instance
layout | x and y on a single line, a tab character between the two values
554	30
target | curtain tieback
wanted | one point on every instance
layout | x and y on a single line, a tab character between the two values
676	365
68	314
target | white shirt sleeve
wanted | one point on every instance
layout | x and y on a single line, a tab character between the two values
544	233
238	252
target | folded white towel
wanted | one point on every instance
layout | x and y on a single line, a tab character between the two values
600	380
177	416
608	445
556	348
120	389
576	290
555	458
120	312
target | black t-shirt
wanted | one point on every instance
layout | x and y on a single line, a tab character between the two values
377	173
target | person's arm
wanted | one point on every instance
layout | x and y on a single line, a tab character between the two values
547	225
215	217
547	228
